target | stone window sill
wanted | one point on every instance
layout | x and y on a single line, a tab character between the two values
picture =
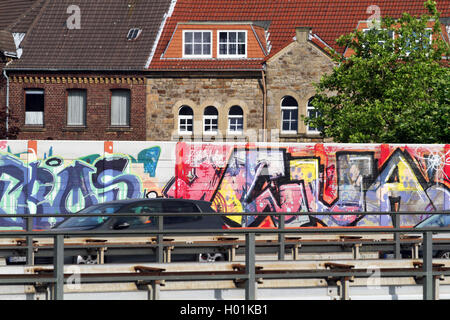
75	128
300	135
119	129
31	128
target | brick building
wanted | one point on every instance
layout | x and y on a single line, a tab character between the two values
16	17
7	54
80	76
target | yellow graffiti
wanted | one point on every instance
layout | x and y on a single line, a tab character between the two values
302	169
232	203
407	180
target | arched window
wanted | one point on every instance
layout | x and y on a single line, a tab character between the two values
236	120
210	120
289	115
185	120
311	113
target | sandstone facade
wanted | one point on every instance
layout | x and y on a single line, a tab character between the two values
291	72
165	95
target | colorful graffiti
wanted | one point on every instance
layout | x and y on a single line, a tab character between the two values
42	177
315	178
55	184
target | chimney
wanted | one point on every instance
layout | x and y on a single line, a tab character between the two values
302	34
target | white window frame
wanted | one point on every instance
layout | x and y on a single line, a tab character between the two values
34	118
232	56
232	117
197	56
185	118
308	108
365	30
127	110
83	111
431	39
210	125
286	108
130	33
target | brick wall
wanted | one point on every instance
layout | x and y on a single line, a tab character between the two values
2	88
2	85
98	89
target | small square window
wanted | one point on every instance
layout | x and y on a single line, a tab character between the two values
133	33
232	44
197	44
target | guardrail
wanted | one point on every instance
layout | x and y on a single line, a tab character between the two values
248	273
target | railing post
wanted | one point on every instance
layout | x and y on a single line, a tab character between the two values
428	281
30	249
250	285
159	241
281	238
396	223
58	267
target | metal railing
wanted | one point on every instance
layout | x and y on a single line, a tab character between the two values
427	272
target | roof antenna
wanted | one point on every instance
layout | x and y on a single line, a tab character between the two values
131	5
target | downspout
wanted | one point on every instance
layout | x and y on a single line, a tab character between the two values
263	76
7	102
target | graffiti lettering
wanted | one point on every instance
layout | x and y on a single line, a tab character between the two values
48	187
303	178
285	180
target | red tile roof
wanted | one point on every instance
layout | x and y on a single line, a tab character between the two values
328	18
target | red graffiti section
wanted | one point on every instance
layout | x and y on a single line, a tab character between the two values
314	178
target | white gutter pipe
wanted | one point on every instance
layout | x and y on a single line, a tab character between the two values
7	102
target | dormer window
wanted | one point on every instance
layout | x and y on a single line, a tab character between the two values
413	42
217	40
197	44
133	33
382	32
232	44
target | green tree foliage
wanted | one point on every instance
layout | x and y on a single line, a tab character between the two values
394	88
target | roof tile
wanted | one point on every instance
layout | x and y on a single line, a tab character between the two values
328	18
10	10
101	41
